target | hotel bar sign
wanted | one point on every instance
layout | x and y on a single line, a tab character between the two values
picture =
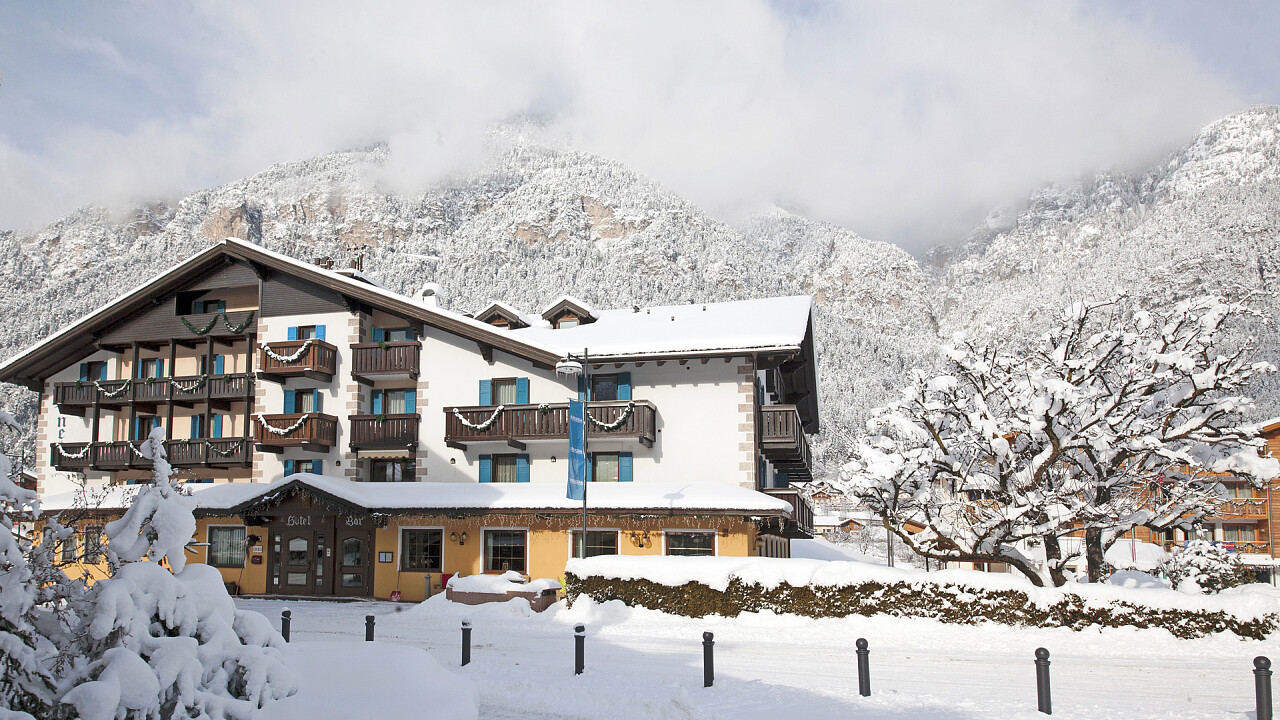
577	450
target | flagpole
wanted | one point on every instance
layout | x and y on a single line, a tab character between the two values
586	373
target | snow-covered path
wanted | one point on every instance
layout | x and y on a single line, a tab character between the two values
643	664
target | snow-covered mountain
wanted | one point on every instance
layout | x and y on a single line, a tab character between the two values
540	219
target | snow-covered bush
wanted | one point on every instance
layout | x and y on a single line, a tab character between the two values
152	643
1202	566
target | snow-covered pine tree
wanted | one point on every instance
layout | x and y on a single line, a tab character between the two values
1204	566
1118	418
26	686
159	644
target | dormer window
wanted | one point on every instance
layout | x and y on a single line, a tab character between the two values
501	315
568	312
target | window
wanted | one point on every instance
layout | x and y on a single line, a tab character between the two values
604	387
308	466
198	426
92	544
504	550
302	401
395	402
391	471
298	554
226	546
143	425
151	368
566	322
208	306
93	371
352	552
604	467
1204	532
691	543
1237	491
306	332
219	365
420	550
395	334
1236	533
599	542
504	469
69	550
504	391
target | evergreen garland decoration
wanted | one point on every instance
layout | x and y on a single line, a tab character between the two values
631	408
200	331
237	329
228	452
480	426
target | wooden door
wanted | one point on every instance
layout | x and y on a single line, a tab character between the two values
353	563
299	560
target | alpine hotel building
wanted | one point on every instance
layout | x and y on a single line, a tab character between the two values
341	439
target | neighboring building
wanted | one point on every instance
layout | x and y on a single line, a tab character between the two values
262	369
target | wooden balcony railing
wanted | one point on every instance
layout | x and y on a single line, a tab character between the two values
801	525
73	397
518	423
311	431
1243	508
783	441
386	360
384	432
123	455
1244	546
315	359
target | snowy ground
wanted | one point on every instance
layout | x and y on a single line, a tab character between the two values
644	664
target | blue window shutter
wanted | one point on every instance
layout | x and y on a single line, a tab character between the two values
160	368
222	306
197	307
288	467
624	467
589	456
219	364
137	429
315	401
289	402
486	468
317	467
293	333
522	468
582	386
780	480
377	402
522	391
624	386
102	371
195	426
319	332
217	426
379	335
84	371
411	401
486	392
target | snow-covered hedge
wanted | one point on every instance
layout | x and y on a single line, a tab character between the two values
696	587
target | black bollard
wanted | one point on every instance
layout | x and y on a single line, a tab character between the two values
1262	686
368	628
708	659
466	641
285	615
864	668
1044	703
579	648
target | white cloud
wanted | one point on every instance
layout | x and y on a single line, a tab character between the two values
903	121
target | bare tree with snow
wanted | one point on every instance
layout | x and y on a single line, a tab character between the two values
1117	418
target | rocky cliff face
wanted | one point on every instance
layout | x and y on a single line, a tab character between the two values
538	220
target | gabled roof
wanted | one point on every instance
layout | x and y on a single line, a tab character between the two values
569	304
515	319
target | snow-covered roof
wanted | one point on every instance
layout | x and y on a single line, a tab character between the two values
740	325
678	497
568	301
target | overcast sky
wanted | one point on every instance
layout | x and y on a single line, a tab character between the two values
903	121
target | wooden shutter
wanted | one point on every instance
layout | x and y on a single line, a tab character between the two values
522	468
486	468
624	467
197	307
288	467
317	467
377	402
379	335
195	426
411	401
159	368
522	391
319	332
316	405
624	386
217	426
219	364
590	456
290	401
293	332
486	392
84	371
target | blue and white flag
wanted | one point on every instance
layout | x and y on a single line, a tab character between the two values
577	450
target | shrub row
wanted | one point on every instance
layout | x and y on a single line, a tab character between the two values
944	602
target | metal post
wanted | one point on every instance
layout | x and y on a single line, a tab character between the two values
586	383
285	617
579	647
708	659
368	628
864	668
1262	686
1044	703
466	641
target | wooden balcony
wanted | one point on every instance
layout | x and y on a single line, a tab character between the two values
122	455
517	424
385	361
310	431
1242	546
384	432
1251	508
801	523
73	398
315	359
783	441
